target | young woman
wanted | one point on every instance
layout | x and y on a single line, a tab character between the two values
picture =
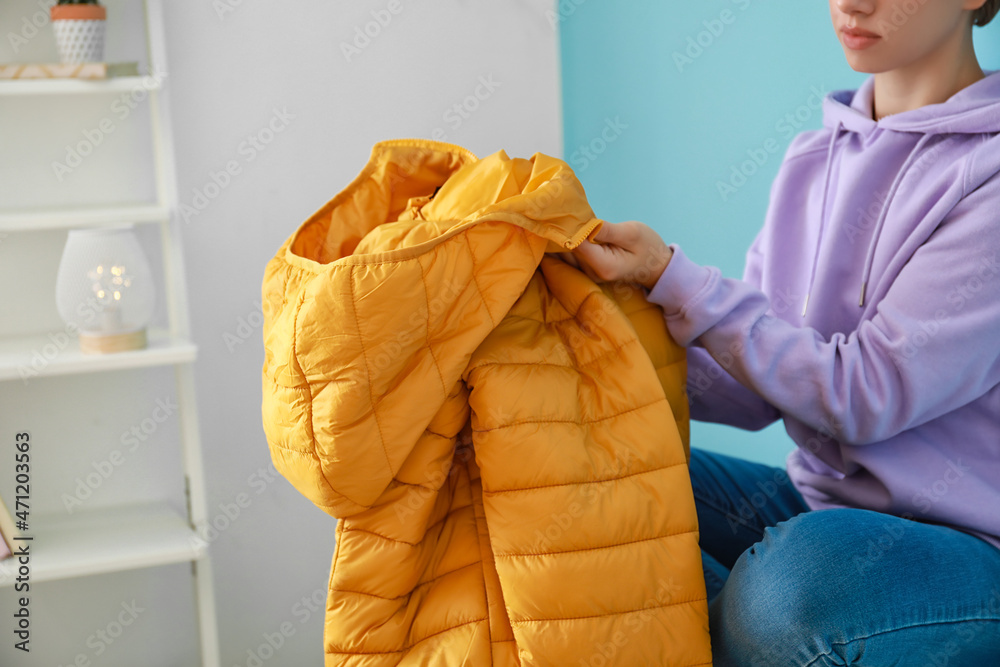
868	319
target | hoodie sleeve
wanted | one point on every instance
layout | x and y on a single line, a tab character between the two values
715	395
931	346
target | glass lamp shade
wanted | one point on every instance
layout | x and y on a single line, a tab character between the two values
104	289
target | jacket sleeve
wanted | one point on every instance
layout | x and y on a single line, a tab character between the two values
931	346
713	394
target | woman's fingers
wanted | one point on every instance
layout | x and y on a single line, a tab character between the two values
570	258
618	251
629	250
608	256
584	260
608	233
594	259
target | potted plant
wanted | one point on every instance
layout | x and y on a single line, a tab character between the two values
79	28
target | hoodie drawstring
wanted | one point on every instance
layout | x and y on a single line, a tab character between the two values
822	213
866	275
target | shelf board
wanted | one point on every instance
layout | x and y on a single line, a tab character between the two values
68	217
109	540
120	84
58	353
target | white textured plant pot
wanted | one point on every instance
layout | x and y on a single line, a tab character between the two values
79	31
79	41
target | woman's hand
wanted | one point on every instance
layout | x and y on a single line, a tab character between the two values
629	251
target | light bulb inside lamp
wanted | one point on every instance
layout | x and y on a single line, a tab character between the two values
105	289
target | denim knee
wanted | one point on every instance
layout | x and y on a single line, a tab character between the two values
852	586
785	597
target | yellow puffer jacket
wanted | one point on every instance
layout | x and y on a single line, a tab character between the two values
504	441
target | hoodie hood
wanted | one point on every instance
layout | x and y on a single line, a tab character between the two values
974	110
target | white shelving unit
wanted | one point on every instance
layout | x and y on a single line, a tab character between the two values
138	535
67	86
16	362
84	216
111	540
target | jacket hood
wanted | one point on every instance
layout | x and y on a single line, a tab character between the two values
973	111
355	260
434	185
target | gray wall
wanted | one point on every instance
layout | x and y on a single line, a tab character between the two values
230	75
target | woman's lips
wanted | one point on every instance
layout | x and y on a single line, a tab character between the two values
857	39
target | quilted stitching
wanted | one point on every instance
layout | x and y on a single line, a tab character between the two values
572	525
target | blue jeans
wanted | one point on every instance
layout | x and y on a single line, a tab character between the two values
792	587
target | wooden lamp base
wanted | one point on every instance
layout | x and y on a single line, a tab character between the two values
105	344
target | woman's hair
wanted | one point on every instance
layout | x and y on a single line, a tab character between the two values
985	14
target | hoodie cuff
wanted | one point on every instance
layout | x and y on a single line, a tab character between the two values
680	282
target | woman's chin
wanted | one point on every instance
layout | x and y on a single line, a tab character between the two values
864	64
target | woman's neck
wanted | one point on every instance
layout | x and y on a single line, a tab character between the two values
932	80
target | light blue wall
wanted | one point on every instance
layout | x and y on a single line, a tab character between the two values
669	118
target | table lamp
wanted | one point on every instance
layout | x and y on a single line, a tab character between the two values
104	289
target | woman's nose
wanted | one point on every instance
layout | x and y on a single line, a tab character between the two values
864	7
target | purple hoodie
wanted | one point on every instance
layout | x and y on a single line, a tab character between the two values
868	317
